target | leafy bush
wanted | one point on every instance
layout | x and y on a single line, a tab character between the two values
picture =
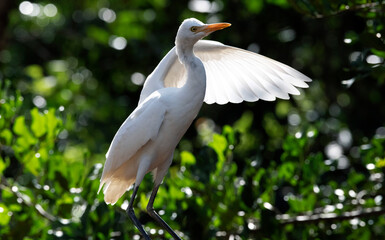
308	168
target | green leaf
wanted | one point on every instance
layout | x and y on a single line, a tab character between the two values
378	52
25	139
245	122
32	163
15	207
260	173
282	108
187	158
45	85
293	146
286	171
314	166
19	127
281	3
355	178
39	122
4	215
34	71
56	66
98	34
272	126
380	163
254	6
6	134
176	192
3	165
2	117
53	123
229	133
219	144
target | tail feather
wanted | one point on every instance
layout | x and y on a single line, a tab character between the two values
116	183
115	188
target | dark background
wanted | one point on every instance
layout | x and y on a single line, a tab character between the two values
308	168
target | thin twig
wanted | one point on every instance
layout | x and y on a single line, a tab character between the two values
364	212
36	206
374	7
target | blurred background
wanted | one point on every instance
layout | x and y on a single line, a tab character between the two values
308	168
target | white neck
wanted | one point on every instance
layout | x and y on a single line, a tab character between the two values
195	86
185	52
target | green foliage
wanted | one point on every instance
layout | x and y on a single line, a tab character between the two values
308	168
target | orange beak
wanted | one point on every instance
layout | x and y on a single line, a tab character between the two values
209	28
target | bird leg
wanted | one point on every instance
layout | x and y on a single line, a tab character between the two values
131	213
156	217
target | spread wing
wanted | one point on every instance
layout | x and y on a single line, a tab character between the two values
233	75
141	126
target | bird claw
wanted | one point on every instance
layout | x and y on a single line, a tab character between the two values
138	225
151	212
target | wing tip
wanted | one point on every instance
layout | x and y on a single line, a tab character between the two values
301	84
305	85
287	97
304	78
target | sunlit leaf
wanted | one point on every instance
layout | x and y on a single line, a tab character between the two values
39	123
15	207
219	144
6	134
19	126
380	163
187	158
286	171
45	86
32	163
2	166
53	123
176	193
25	139
4	215
260	173
229	133
34	71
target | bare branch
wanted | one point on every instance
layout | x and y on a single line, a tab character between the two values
371	7
27	201
309	218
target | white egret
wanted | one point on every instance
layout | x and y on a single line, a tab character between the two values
193	72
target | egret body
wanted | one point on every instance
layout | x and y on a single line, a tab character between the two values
193	72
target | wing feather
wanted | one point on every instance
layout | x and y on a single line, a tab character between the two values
140	127
232	75
245	75
270	71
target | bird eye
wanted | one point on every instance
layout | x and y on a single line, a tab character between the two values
193	29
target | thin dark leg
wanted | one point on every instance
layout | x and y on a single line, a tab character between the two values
154	215
130	212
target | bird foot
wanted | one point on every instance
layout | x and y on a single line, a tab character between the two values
137	224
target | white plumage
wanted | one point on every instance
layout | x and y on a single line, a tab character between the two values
172	96
233	75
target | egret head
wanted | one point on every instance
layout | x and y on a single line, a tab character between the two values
192	30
